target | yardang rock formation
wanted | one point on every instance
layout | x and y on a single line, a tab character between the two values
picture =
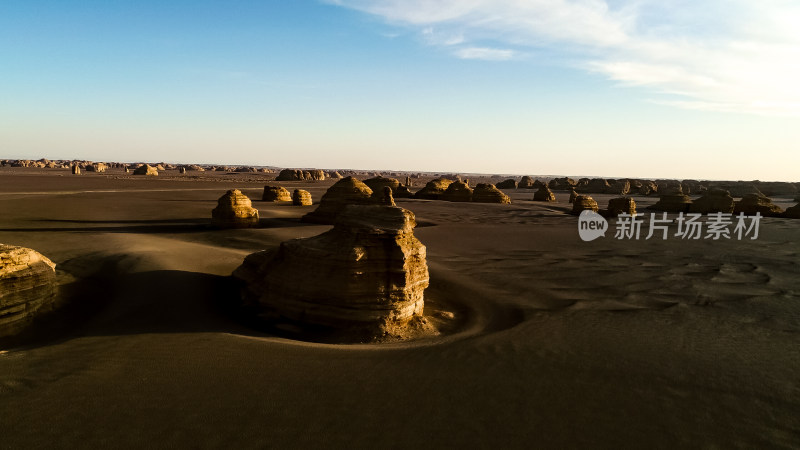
234	210
27	287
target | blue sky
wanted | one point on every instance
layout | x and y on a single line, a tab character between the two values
702	89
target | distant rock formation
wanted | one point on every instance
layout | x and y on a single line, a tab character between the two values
234	210
96	167
714	200
507	184
301	197
792	212
276	194
593	186
619	187
754	203
146	169
347	191
737	189
488	193
76	170
776	188
335	175
672	199
378	183
544	194
27	287
300	175
434	189
582	203
572	195
620	205
564	183
369	275
644	187
526	182
458	191
182	170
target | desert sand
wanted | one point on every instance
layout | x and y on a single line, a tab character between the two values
550	341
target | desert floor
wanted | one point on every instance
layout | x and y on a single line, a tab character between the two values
559	342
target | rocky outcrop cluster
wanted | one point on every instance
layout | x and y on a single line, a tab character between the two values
27	287
564	183
751	204
714	200
146	169
347	191
301	197
234	210
369	275
582	203
458	191
276	194
621	205
433	189
488	193
544	194
300	175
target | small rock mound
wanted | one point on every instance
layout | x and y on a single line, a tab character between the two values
276	194
714	200
672	199
507	184
621	205
526	182
76	170
301	197
582	203
347	191
369	276
27	287
751	204
146	169
234	210
434	189
488	193
544	194
458	191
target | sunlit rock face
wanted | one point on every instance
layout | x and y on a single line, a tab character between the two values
369	273
347	191
582	203
276	194
234	210
301	197
488	193
27	287
433	189
458	191
146	169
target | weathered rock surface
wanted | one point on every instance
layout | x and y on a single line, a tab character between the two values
433	189
572	195
584	202
347	191
146	169
619	187
234	210
507	184
369	274
301	197
378	183
300	175
488	193
27	287
593	186
458	191
276	194
714	200
754	203
620	205
526	182
544	194
76	170
563	183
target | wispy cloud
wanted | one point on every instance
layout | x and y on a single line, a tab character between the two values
718	55
488	54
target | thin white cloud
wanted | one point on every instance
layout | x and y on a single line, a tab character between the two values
485	53
718	55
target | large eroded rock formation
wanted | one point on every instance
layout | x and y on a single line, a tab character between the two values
234	210
369	273
27	287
